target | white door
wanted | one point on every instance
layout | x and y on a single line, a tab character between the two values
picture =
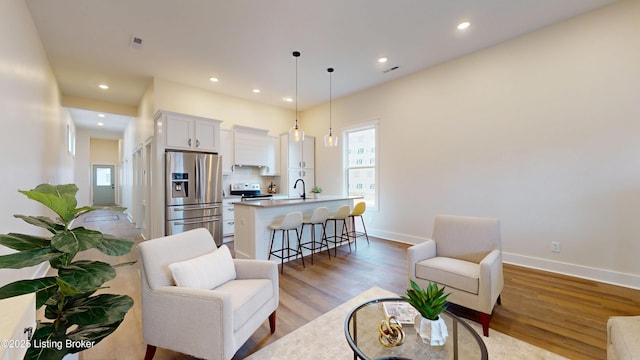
104	192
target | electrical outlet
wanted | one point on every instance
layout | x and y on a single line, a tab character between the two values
555	246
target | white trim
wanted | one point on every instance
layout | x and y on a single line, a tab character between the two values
580	271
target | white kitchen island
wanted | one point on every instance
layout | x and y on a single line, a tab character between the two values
252	219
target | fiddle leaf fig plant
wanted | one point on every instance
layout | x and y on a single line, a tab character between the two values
430	301
77	317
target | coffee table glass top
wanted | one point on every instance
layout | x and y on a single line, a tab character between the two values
361	330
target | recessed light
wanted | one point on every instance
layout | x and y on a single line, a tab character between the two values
100	124
464	25
287	99
256	91
213	79
101	115
382	60
103	86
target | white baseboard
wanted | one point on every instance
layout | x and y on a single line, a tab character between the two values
580	271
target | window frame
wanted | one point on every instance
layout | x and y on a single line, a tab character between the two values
374	124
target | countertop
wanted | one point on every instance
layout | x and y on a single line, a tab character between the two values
267	203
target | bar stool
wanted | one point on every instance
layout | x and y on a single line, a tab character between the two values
319	217
342	214
358	210
291	221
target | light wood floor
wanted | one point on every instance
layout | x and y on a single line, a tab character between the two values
562	314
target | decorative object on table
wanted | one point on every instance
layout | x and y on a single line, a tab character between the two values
316	190
391	332
79	318
430	303
404	312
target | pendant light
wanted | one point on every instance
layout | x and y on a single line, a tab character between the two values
295	133
330	140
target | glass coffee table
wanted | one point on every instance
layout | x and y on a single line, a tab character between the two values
361	330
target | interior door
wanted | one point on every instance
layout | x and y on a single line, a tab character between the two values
104	192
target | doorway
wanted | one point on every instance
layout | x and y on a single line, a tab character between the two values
104	192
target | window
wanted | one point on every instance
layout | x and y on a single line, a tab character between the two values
361	163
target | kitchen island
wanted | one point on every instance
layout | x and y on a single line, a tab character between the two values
252	219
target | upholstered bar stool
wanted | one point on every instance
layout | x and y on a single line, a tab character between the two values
291	221
342	214
319	217
358	210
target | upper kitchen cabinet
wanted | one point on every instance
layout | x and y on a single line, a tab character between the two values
226	150
186	132
272	167
298	155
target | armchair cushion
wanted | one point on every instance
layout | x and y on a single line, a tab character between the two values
206	271
455	273
247	297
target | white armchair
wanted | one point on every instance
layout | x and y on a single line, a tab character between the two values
209	323
464	256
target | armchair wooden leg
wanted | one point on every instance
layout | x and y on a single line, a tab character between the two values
499	301
272	322
151	351
484	319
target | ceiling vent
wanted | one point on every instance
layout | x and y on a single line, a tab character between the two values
391	69
136	42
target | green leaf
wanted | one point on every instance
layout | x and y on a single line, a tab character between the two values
27	258
77	239
84	276
43	287
22	242
92	333
46	345
43	222
103	308
113	246
59	198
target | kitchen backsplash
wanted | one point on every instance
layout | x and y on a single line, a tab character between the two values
250	175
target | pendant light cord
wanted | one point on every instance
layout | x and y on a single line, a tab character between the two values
330	70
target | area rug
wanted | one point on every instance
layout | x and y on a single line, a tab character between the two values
101	218
323	338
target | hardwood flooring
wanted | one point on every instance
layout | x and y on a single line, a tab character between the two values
563	314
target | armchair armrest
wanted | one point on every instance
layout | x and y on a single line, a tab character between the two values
491	277
207	312
256	269
419	252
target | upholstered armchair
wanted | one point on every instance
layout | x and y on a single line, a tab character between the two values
464	256
199	301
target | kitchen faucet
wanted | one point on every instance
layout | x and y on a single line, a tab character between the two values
304	191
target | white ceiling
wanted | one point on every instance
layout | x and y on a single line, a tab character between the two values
247	44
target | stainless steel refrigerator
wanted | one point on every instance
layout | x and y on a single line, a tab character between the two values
193	192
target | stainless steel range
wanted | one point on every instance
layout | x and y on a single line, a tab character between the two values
248	191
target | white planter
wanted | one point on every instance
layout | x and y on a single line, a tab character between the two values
316	195
432	332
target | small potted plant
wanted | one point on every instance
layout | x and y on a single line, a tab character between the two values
316	190
430	302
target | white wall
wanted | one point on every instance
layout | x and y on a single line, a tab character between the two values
33	140
540	132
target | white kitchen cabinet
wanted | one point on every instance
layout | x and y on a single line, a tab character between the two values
250	146
186	132
272	167
226	150
228	224
299	160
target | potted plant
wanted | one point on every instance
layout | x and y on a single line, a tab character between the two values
430	302
77	316
316	190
